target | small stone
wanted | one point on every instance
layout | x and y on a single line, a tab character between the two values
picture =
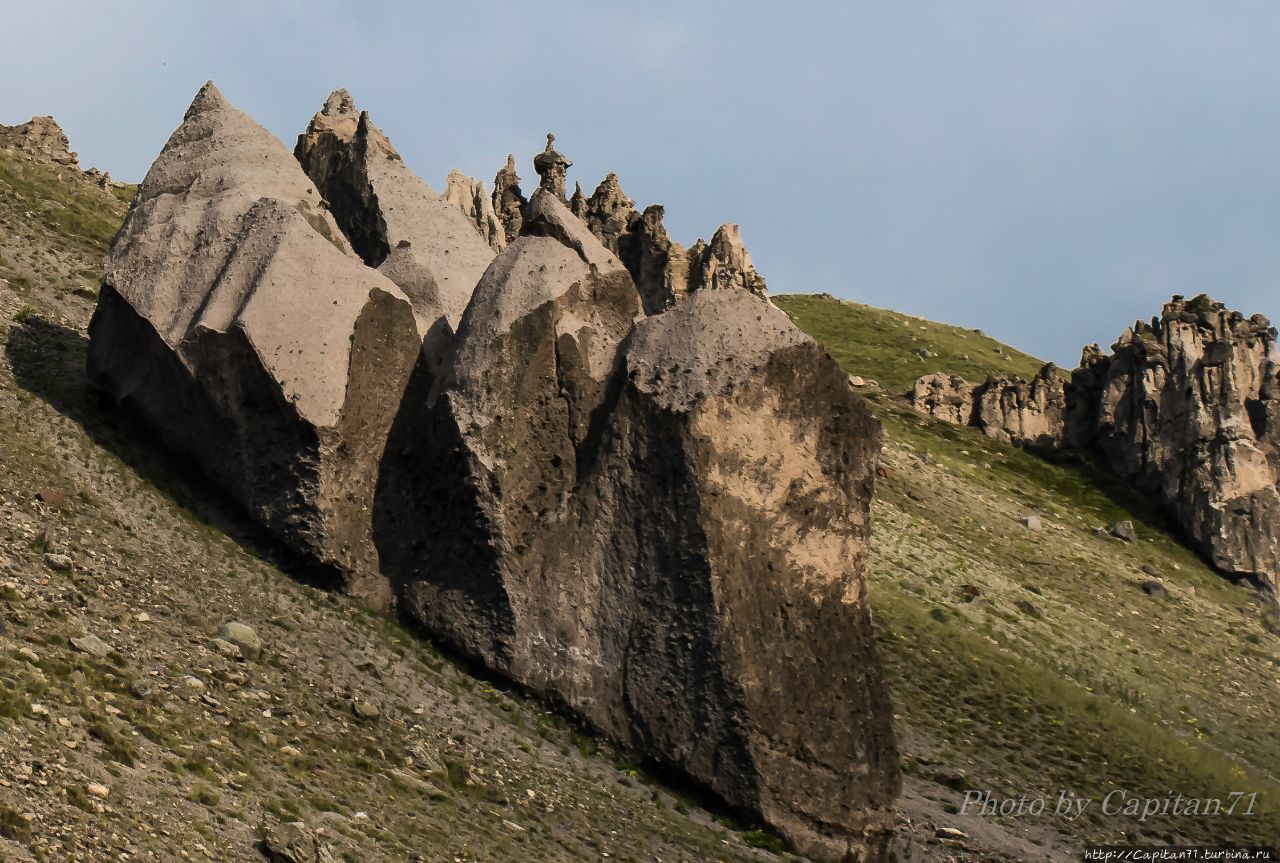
1031	522
97	790
1155	590
28	654
227	649
1027	608
365	711
193	683
242	636
58	562
950	833
92	645
1124	530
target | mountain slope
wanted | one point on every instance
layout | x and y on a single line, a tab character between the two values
1031	660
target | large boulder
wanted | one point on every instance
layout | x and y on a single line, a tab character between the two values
662	526
198	330
1187	408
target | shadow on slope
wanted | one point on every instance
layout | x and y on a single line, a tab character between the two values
48	361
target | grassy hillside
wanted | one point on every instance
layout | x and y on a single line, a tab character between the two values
156	742
894	349
1031	660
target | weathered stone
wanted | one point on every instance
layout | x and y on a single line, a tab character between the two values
552	166
468	194
945	397
1017	411
41	137
395	221
1187	408
508	200
724	263
1005	408
295	842
198	330
92	645
662	525
1123	530
243	637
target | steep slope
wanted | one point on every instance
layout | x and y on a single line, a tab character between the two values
170	746
1031	660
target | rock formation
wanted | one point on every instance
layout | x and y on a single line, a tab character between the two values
661	525
1018	411
468	195
508	200
552	166
659	522
1187	408
1004	407
945	397
42	137
235	319
395	221
724	263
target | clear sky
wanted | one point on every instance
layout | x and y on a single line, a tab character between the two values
1043	169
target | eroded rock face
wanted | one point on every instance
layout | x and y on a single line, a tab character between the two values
1025	412
945	397
724	263
663	525
41	137
468	195
430	248
1188	409
197	329
508	200
1004	407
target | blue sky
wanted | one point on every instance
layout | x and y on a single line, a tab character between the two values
1047	171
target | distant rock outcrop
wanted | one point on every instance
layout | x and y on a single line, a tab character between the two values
41	137
1187	408
1026	412
1004	407
945	397
236	320
662	525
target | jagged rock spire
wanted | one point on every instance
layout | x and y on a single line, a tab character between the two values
508	200
468	194
552	166
724	263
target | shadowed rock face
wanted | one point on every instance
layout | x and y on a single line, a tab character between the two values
663	526
394	220
1188	409
197	329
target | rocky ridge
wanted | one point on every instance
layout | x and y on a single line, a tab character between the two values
1184	408
540	487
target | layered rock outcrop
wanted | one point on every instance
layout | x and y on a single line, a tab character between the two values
1187	408
662	525
1007	408
659	521
236	321
508	200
